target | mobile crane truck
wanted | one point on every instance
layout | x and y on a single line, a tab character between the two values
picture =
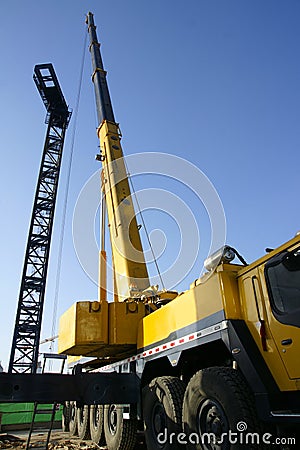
214	367
218	359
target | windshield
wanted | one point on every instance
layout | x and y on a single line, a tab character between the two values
283	278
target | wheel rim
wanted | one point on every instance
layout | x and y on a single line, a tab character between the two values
112	419
211	418
159	419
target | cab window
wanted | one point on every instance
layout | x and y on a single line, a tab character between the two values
283	279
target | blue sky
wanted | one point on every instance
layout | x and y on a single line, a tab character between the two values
214	82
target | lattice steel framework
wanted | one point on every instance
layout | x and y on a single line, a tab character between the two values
25	345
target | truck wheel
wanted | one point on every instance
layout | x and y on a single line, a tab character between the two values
162	411
120	433
65	418
73	419
217	400
83	422
96	424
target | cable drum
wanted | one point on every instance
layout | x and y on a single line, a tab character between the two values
172	229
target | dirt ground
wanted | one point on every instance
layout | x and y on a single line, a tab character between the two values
58	440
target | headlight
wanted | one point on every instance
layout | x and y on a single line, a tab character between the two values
225	255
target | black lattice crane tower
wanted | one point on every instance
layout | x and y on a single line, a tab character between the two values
25	345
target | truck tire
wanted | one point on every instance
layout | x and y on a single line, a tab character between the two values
73	419
120	433
83	423
65	418
162	412
217	400
96	424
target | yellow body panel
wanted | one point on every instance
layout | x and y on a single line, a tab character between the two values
250	315
289	354
283	361
205	298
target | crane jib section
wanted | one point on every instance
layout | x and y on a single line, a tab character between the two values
25	345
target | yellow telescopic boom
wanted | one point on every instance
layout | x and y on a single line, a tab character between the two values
129	267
